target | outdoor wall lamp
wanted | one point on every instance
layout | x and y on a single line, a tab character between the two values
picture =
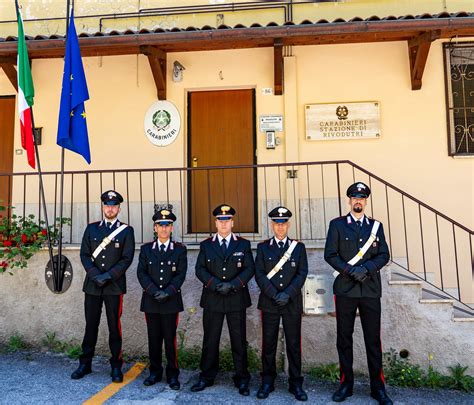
178	71
38	132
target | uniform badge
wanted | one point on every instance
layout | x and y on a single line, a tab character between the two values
117	245
173	268
239	264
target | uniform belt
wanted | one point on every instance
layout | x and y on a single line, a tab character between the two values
283	260
107	240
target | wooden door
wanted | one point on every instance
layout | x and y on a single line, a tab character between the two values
7	123
221	130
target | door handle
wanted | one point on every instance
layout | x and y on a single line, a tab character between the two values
195	161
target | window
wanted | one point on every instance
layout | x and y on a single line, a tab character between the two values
459	75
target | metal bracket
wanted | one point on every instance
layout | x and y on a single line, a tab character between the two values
58	280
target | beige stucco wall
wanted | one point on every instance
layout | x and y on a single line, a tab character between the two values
411	153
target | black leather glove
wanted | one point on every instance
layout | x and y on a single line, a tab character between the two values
161	296
224	288
102	279
281	299
358	273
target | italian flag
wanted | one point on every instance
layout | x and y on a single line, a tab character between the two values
26	92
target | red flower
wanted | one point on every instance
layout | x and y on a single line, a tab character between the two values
7	243
44	232
24	238
4	264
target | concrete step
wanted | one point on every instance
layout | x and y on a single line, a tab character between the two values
402	277
463	314
431	297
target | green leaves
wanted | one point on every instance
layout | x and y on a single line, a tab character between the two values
22	236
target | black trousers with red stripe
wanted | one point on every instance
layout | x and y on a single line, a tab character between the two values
162	327
369	311
292	330
212	323
93	311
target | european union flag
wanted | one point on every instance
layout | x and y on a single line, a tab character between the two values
72	126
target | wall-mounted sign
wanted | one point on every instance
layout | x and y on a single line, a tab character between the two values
267	91
342	121
162	123
271	123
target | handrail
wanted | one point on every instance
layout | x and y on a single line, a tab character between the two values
255	166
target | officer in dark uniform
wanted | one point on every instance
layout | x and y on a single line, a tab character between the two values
358	286
162	267
107	251
280	298
224	265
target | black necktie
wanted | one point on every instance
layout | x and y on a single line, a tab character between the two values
162	248
109	225
224	246
359	224
281	244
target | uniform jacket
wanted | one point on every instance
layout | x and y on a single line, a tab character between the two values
236	267
343	242
162	271
289	279
116	258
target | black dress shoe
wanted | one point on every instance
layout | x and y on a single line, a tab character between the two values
81	371
264	391
382	397
201	385
117	376
342	393
299	393
152	379
174	384
244	389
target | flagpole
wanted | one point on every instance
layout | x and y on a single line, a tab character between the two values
43	198
61	192
40	175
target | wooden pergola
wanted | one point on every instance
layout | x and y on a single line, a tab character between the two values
418	33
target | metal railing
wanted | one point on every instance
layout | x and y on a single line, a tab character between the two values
422	240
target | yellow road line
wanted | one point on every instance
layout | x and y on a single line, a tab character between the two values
113	388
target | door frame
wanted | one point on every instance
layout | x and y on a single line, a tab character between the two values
10	182
189	155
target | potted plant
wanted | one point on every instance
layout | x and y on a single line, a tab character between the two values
21	237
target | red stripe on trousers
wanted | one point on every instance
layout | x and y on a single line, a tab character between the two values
119	322
342	375
175	344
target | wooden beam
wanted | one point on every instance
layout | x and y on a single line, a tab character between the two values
278	79
10	71
418	50
157	60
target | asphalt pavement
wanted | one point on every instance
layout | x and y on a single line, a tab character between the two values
44	378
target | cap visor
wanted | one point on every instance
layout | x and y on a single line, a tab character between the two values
224	217
111	202
280	220
357	195
162	223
